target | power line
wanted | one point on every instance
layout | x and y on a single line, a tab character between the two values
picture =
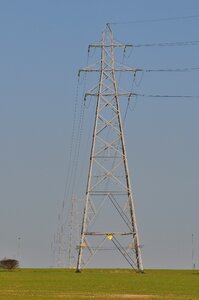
171	70
168	44
164	96
155	20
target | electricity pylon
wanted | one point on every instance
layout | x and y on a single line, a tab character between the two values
109	221
73	233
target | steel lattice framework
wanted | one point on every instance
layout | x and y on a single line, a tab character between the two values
109	220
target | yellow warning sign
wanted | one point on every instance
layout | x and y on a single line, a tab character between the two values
109	237
83	245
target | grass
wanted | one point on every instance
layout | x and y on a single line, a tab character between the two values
98	284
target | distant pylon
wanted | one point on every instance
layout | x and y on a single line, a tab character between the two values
73	233
109	221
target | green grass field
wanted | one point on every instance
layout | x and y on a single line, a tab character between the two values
98	284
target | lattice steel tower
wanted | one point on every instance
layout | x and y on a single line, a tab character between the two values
109	220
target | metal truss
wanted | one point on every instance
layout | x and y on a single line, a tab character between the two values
109	221
73	233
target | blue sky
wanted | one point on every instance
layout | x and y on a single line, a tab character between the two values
43	44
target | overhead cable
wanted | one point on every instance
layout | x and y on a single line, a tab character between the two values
155	20
168	44
163	96
170	70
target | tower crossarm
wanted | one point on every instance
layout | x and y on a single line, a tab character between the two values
129	69
113	45
130	94
108	233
